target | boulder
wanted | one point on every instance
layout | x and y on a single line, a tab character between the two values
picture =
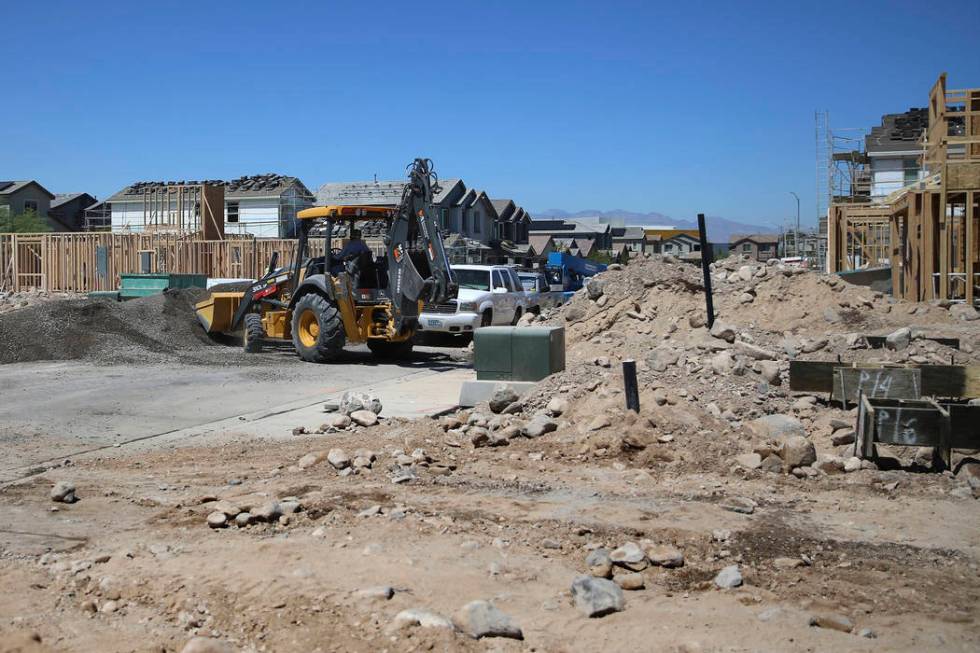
338	459
364	417
557	406
796	451
595	288
829	464
772	464
597	597
630	581
833	621
421	618
630	556
502	397
749	460
770	372
898	340
964	312
480	619
599	563
353	401
63	492
729	577
664	555
662	357
539	426
723	331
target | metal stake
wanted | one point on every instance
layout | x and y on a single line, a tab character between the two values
630	386
706	269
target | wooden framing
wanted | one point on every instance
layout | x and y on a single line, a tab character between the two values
858	236
935	380
83	262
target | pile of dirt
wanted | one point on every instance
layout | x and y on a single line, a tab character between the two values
157	327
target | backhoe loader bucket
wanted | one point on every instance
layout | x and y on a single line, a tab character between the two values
216	312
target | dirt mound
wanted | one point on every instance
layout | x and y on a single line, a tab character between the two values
158	326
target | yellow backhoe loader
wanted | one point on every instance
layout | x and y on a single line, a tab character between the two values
346	296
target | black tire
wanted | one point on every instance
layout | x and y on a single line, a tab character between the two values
517	316
385	349
487	319
253	337
318	330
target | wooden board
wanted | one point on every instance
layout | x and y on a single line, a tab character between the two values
851	383
937	380
878	342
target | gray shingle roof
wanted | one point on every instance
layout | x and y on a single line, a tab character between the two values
10	187
757	238
64	198
898	132
373	193
268	185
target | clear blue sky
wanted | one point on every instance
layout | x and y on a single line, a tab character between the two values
677	107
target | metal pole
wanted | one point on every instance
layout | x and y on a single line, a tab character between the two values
630	386
796	236
706	269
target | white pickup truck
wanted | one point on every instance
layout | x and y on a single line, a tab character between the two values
489	295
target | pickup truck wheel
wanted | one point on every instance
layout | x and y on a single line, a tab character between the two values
253	334
318	330
487	319
517	317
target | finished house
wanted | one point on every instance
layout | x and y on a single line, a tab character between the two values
760	247
69	209
17	197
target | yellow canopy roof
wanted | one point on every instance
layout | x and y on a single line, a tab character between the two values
346	213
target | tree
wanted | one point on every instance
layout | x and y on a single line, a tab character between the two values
27	222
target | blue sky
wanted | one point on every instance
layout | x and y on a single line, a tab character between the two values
646	106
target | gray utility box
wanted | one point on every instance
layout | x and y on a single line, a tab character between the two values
518	353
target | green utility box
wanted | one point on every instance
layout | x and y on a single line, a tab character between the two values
142	285
518	353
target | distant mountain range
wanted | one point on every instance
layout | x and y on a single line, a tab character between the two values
719	229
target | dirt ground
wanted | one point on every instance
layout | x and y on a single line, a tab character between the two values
441	521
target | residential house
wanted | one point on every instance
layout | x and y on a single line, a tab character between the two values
760	247
264	206
680	243
587	236
513	222
542	245
69	209
629	239
893	150
18	197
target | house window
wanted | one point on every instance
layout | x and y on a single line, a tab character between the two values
747	247
30	205
444	218
462	217
668	247
910	168
476	221
232	213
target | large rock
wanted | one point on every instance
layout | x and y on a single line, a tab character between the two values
539	425
597	597
898	340
833	621
364	417
338	458
770	372
480	619
662	357
754	351
595	288
354	401
796	451
502	397
63	492
749	460
599	563
729	577
774	427
421	618
557	406
723	331
722	363
630	556
665	555
964	312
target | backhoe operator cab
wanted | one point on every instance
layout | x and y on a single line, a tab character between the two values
348	295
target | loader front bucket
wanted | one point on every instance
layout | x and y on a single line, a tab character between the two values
216	312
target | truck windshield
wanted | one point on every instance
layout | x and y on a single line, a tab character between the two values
527	280
473	279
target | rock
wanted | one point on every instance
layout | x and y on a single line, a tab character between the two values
852	464
595	288
796	451
840	439
722	363
831	315
599	422
63	492
597	597
770	372
816	344
361	462
479	437
109	607
383	592
964	312
310	459
696	320
207	645
480	619
829	464
867	633
630	581
664	555
243	519
338	421
300	430
754	351
746	298
784	564
338	459
502	397
749	460
364	417
745	272
557	406
661	358
774	427
270	511
898	340
630	556
772	464
723	331
539	426
217	519
969	472
354	401
729	577
832	620
574	314
743	505
422	618
599	563
515	408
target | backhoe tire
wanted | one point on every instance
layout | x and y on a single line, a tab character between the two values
253	336
392	350
517	317
318	330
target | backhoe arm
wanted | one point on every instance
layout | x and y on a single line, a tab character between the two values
418	268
